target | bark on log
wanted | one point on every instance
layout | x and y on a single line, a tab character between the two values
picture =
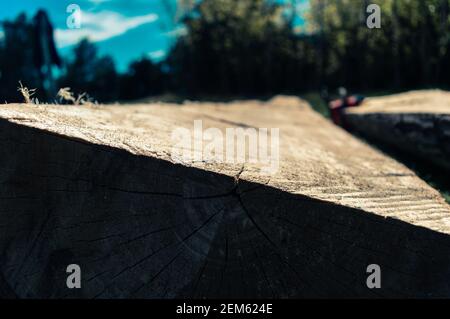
97	187
415	122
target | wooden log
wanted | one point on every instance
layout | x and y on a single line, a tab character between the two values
98	187
415	122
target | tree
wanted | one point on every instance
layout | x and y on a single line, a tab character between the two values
16	59
143	78
88	73
236	47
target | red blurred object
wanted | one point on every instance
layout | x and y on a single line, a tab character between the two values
337	107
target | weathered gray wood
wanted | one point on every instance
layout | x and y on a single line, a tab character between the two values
416	122
97	187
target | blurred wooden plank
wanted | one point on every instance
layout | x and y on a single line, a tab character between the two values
417	122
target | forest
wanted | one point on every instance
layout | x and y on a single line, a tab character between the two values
253	48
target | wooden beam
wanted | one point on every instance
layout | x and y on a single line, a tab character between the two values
415	122
98	187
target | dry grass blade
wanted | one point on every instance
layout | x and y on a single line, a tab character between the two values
85	99
65	95
26	93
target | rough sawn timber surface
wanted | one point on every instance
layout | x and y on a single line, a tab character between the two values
97	187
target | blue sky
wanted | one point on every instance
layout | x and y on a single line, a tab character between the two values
124	29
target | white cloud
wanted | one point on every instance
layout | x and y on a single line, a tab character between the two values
101	26
98	1
177	32
156	55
